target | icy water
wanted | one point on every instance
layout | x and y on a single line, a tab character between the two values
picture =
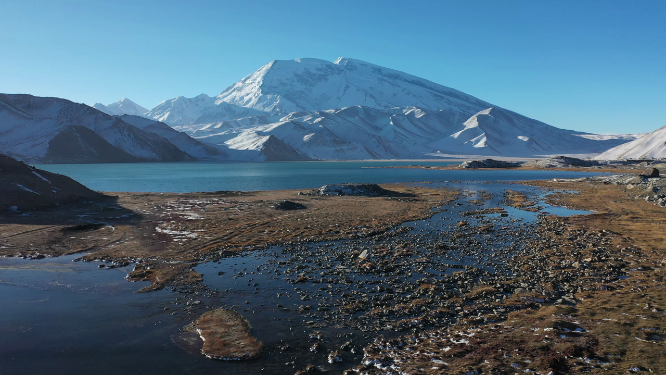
191	177
64	317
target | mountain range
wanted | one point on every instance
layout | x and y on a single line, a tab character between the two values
54	130
350	109
299	109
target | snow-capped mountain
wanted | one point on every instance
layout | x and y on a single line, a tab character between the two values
647	146
54	130
311	85
122	107
368	133
198	110
350	109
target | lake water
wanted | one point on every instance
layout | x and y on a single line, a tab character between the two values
191	177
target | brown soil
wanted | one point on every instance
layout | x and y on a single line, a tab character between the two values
167	234
226	336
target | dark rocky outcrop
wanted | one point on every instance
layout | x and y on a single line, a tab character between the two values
650	173
288	206
369	190
24	188
489	163
562	162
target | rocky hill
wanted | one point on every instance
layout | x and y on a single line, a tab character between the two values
24	188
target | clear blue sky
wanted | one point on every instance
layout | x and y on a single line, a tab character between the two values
597	66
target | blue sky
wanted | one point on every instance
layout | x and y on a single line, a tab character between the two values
597	66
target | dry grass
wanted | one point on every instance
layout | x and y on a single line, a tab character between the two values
226	336
519	200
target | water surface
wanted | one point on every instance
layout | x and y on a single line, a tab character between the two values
201	176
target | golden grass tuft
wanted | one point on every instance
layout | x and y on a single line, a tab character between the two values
226	336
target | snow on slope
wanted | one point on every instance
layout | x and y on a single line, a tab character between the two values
122	107
647	146
286	86
28	124
200	109
183	141
350	109
368	133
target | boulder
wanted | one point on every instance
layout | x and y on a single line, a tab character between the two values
650	173
288	206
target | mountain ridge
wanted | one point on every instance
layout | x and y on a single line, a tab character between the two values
46	129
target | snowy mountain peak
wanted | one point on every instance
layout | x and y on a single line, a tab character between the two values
122	107
308	84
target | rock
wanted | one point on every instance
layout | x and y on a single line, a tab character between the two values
562	162
226	336
489	163
334	357
369	190
650	173
288	206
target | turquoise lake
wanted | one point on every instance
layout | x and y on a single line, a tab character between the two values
191	177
